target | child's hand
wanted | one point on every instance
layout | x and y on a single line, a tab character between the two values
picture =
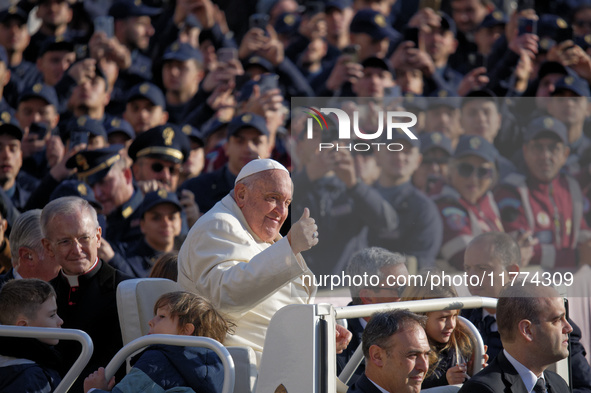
457	374
97	380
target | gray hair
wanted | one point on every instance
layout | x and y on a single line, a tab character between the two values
26	232
503	247
68	205
383	325
370	261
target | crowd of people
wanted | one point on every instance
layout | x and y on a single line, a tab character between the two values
131	130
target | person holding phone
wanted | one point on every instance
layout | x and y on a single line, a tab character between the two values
55	16
16	184
182	72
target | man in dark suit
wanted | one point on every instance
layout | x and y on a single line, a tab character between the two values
499	254
396	350
371	261
534	331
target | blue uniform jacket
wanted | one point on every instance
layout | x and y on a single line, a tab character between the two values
163	367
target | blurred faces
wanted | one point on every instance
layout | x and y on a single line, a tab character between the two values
73	240
265	202
114	189
485	37
441	324
582	22
569	108
398	167
478	260
165	172
410	80
545	157
160	225
53	64
36	110
338	21
14	35
546	88
11	160
372	82
439	44
195	162
134	32
54	13
244	146
181	77
369	47
434	166
445	120
468	14
91	94
472	177
481	117
142	114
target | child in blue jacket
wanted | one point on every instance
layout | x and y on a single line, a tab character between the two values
28	364
163	367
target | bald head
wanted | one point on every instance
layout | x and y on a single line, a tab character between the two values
493	253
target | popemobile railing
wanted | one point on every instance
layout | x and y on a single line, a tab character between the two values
185	341
61	334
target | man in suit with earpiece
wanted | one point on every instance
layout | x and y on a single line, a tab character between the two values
27	255
534	331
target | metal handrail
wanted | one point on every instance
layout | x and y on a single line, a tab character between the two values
62	334
428	305
185	341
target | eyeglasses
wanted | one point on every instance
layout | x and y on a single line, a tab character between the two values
158	167
466	170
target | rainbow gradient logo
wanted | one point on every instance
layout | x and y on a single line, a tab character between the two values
392	120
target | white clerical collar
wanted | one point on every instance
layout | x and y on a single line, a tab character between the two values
73	280
527	376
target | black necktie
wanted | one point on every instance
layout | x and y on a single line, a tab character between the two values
540	386
488	322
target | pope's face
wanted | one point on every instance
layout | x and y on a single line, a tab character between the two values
265	202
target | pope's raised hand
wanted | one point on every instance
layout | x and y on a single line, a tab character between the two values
303	235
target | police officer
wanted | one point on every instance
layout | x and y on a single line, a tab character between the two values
466	204
133	28
569	104
55	57
158	155
17	184
420	231
14	37
111	180
545	201
160	224
145	108
433	170
182	72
